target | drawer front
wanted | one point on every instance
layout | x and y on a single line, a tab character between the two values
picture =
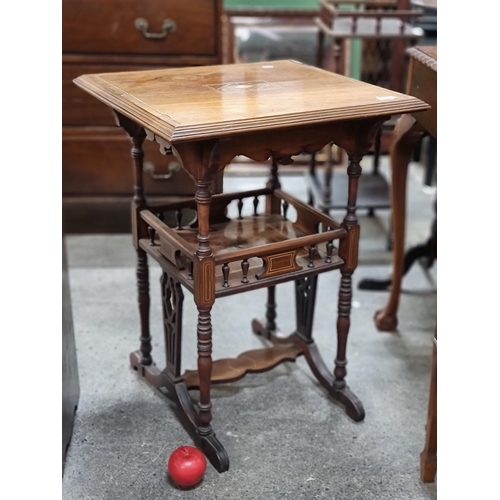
98	162
79	107
98	27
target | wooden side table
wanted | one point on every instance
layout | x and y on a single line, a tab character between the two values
410	128
206	116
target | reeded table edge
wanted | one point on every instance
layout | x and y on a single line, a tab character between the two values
170	130
423	58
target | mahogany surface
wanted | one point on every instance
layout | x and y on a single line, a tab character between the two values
205	116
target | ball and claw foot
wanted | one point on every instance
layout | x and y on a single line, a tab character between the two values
385	321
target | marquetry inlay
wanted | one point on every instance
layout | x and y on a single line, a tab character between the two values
245	86
204	292
348	249
278	264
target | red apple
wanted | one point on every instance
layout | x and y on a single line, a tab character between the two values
186	466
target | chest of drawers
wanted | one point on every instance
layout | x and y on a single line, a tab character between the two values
107	36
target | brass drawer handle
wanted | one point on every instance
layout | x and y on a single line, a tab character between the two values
168	26
149	168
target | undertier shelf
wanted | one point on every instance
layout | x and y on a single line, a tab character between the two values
235	278
249	252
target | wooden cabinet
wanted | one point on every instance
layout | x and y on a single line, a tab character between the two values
112	36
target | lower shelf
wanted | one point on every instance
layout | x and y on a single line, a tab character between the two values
236	285
246	252
256	361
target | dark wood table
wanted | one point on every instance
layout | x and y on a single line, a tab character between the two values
206	116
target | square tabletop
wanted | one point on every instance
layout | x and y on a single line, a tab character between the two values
193	103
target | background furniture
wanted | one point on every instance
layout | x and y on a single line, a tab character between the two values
70	381
207	116
257	14
409	130
294	25
381	31
422	83
428	22
99	37
268	31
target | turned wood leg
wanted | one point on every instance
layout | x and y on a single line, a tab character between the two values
376	151
273	204
406	135
327	184
320	49
143	301
204	297
138	135
428	457
204	334
312	173
302	338
305	290
348	250
196	422
139	230
343	324
271	309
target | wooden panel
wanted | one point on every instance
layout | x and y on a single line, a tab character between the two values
112	29
98	161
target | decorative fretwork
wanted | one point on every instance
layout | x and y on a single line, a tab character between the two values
172	298
305	298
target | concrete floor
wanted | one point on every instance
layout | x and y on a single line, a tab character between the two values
284	437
